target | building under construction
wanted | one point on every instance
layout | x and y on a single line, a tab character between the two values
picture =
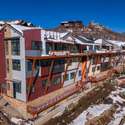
39	68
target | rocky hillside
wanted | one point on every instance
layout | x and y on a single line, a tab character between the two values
92	31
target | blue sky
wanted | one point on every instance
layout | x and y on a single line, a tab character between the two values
49	13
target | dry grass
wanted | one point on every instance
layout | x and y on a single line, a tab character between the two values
94	97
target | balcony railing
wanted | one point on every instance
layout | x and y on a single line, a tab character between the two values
33	53
59	52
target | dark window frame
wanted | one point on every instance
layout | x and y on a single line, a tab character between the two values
36	45
56	80
72	75
15	46
16	64
18	86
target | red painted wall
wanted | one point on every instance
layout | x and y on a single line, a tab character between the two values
2	59
40	90
31	35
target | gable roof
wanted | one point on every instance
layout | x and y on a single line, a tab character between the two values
117	43
19	28
78	39
103	42
84	39
23	28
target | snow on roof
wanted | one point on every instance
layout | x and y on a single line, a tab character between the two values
118	43
82	43
55	37
84	38
78	41
63	34
22	28
103	42
99	41
59	41
2	22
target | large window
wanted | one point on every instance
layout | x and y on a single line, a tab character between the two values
80	73
72	75
16	64
15	46
66	77
37	45
17	85
56	80
74	49
93	69
44	82
29	65
49	47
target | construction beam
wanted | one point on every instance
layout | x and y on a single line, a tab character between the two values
84	64
79	61
49	76
31	77
73	55
33	83
65	71
88	67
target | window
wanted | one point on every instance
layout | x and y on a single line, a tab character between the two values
98	67
74	49
15	47
93	61
75	59
29	66
84	48
16	64
44	83
90	48
93	69
7	65
80	73
33	89
58	47
72	75
56	80
45	63
49	47
64	47
36	45
66	77
6	47
59	61
17	85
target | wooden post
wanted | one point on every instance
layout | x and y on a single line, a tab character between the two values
50	75
88	67
31	77
77	69
65	72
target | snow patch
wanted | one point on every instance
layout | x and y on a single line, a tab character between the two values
90	113
16	120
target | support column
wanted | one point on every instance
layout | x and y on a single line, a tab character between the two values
50	75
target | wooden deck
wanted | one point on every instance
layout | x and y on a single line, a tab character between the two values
44	102
51	95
